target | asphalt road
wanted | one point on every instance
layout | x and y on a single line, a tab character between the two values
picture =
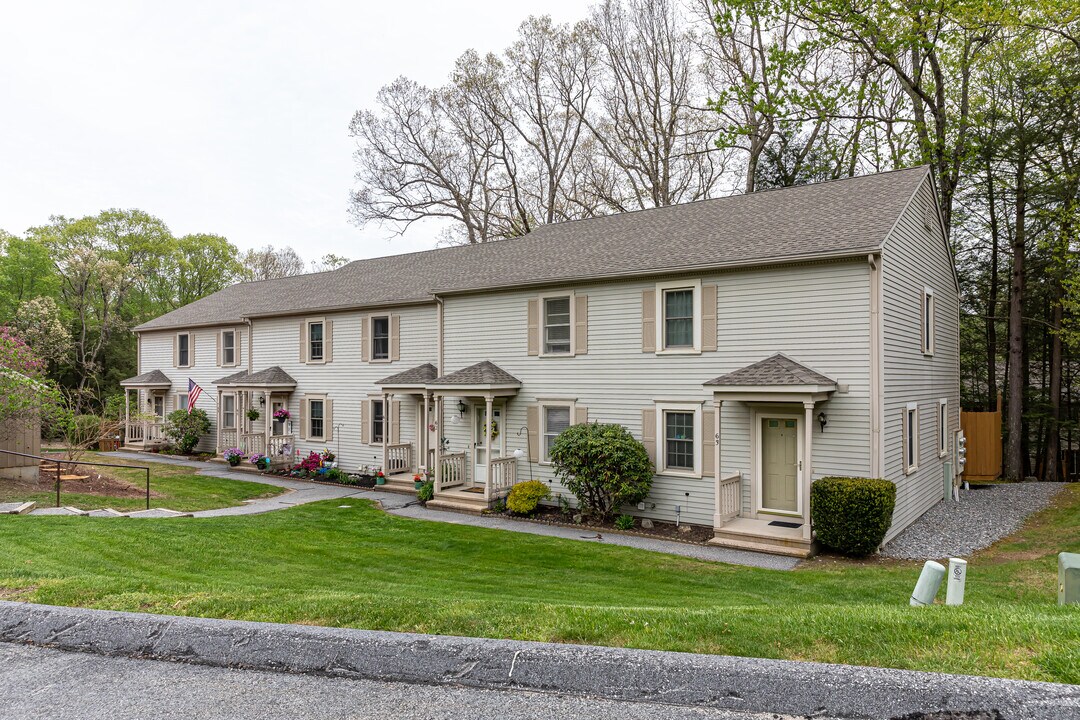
42	683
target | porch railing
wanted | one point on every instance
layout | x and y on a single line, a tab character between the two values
398	458
147	432
452	472
280	446
502	476
253	443
430	459
730	496
228	438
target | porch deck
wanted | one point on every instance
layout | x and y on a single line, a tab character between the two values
763	535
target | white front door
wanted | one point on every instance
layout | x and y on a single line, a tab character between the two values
480	441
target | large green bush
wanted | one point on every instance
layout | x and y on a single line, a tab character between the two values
852	514
185	428
525	496
603	465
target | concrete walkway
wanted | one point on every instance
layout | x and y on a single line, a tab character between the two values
403	505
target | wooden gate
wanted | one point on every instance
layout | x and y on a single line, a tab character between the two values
983	433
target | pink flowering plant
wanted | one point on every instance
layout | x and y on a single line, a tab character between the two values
27	397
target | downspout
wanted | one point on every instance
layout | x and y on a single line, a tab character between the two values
877	468
138	353
250	344
439	334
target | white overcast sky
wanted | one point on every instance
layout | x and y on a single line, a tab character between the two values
222	117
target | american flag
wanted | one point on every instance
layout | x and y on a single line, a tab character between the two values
193	393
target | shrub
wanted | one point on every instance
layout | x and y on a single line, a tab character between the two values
185	428
525	496
624	522
426	491
604	466
335	475
852	514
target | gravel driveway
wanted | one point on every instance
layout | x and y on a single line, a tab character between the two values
984	515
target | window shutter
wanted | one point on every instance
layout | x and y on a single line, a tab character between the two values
648	321
581	324
302	420
581	414
395	422
365	429
328	420
708	318
176	351
534	327
328	341
395	330
191	350
303	341
365	338
532	422
708	442
217	348
236	346
648	429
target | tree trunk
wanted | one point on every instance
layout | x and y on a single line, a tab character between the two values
1053	441
992	297
1014	460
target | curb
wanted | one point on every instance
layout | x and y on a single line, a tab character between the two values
731	683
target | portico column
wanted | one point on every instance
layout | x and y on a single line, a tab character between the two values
385	431
218	421
808	464
718	519
268	420
438	461
127	415
487	449
425	434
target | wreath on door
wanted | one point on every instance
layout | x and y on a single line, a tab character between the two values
492	428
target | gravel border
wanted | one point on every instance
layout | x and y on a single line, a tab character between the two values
984	515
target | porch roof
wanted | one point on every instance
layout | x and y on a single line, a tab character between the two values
271	377
483	377
154	379
777	374
414	378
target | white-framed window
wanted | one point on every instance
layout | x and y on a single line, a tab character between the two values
911	438
555	416
183	350
943	427
316	419
380	337
228	348
228	412
316	341
181	401
678	315
557	323
678	432
927	321
378	420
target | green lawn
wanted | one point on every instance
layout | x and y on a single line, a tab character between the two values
173	486
358	567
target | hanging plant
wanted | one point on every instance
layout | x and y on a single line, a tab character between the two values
253	414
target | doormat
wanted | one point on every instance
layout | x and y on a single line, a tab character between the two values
474	490
782	523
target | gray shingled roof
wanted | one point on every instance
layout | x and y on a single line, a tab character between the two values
419	375
154	377
778	370
840	217
482	373
270	376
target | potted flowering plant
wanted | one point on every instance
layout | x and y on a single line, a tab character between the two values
418	480
328	457
380	478
260	461
233	456
282	414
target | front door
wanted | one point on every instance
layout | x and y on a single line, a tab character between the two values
278	426
480	442
780	465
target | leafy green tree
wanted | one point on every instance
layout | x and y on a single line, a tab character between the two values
26	272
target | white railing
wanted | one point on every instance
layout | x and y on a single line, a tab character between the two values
730	496
280	446
228	439
430	459
398	458
452	471
502	476
145	433
253	443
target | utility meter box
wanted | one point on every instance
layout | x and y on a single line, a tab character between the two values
1068	578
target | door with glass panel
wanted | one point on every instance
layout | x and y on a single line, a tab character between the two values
780	465
480	441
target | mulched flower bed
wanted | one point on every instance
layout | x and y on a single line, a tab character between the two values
93	482
692	534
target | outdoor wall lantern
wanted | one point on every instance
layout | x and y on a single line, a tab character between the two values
823	420
262	401
461	408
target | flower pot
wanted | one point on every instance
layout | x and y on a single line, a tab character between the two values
263	465
417	484
380	480
233	462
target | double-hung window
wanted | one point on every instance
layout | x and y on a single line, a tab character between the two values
678	317
228	411
928	321
378	421
556	419
316	419
557	325
228	347
380	338
943	427
678	435
315	342
183	350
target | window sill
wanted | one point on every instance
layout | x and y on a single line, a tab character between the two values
679	351
380	361
314	362
679	473
556	355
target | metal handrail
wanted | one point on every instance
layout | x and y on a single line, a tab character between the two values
80	462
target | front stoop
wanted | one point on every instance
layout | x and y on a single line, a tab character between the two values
459	501
759	536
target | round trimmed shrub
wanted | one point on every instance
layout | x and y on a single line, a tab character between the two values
852	514
603	465
525	496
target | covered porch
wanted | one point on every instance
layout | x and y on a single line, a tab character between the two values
769	511
246	407
415	453
144	420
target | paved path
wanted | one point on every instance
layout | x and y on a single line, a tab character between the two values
42	683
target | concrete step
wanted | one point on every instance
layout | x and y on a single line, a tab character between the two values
58	511
458	505
105	513
16	508
158	513
740	541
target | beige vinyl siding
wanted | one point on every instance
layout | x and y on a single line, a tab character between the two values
818	314
915	258
348	380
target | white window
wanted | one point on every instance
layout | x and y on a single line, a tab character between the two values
378	421
315	342
911	438
380	338
556	418
943	427
557	327
183	350
316	419
678	313
928	321
679	434
228	411
181	401
228	347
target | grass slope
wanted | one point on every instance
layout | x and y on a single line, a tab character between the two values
173	486
358	567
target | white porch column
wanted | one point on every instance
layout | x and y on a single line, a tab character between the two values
808	464
487	449
385	431
218	408
438	448
127	415
717	516
425	435
268	420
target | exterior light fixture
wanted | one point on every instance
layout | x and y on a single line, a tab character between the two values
461	408
823	420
